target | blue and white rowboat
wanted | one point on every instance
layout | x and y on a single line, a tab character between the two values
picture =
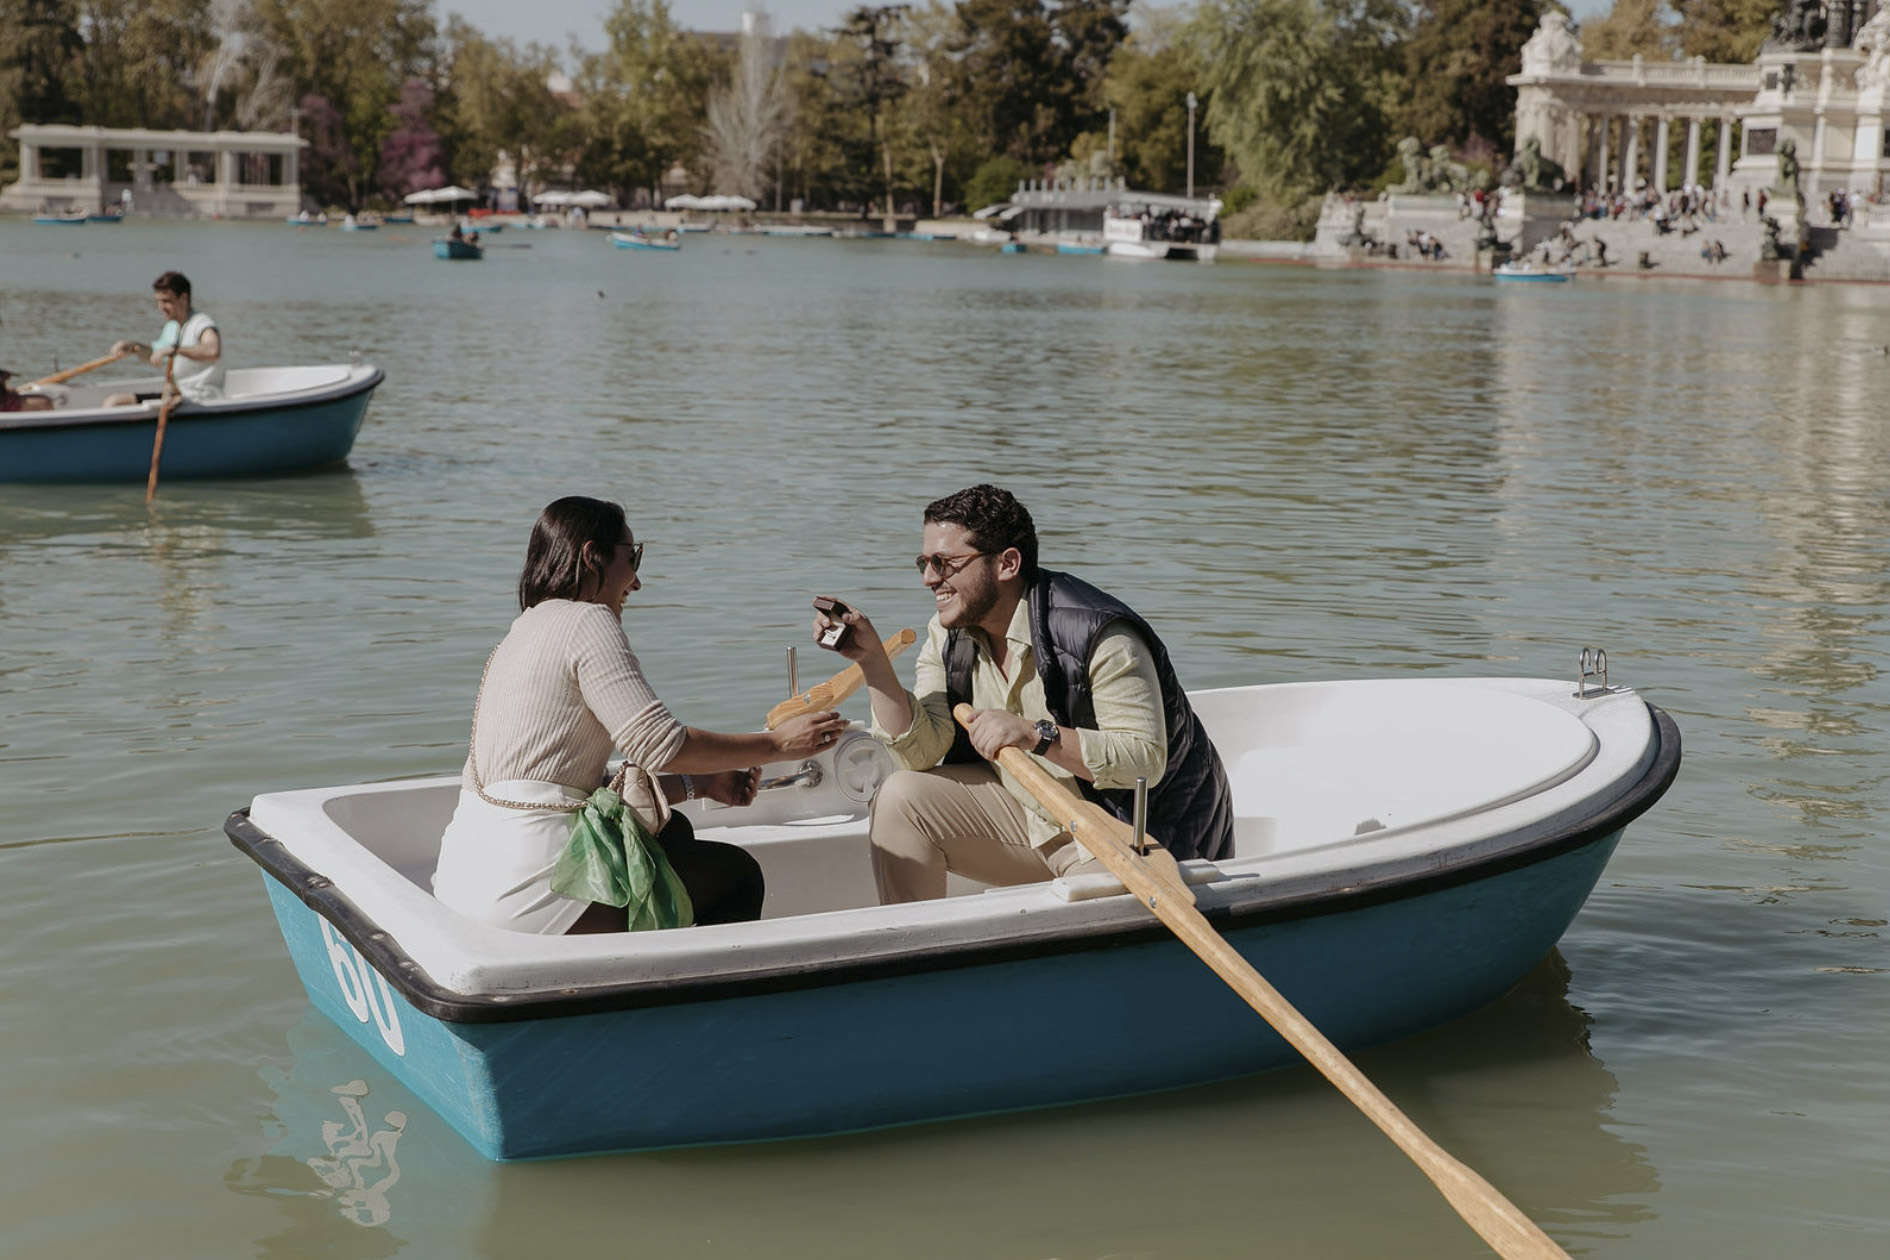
625	240
270	421
1406	851
1532	272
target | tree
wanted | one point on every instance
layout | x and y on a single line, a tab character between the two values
412	158
657	77
1629	27
749	117
40	52
1031	73
1455	63
354	55
1148	85
1724	30
140	59
1299	90
934	114
871	78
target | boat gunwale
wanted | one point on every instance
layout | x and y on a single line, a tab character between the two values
406	976
238	408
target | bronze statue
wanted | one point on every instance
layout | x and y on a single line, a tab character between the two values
1531	172
1788	169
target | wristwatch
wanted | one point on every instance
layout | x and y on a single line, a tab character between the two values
1047	734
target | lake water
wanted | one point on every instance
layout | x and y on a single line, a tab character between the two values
1295	474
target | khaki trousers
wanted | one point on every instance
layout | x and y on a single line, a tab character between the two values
956	818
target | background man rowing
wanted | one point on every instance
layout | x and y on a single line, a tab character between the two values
189	334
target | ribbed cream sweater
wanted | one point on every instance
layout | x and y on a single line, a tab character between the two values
564	690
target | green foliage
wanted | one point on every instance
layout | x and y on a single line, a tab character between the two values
1270	221
40	54
1031	73
1455	63
1724	30
647	96
1299	91
1148	85
1630	27
994	181
355	55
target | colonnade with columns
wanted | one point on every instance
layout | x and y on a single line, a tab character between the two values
1612	158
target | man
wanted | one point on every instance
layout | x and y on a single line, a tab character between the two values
12	401
1052	666
189	335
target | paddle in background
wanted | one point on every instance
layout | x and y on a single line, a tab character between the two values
1157	883
60	378
164	417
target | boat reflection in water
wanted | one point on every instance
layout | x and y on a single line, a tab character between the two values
367	1171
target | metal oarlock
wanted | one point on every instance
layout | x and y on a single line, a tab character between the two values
809	775
1140	843
793	674
1594	665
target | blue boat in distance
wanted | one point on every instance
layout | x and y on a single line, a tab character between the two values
271	421
1013	247
76	218
1405	851
457	251
1072	247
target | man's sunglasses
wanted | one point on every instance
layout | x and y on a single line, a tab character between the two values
946	565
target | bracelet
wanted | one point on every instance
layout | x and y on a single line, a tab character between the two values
688	787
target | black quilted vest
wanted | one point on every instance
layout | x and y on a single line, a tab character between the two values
1191	811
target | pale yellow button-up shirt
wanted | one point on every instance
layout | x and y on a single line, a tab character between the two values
1131	735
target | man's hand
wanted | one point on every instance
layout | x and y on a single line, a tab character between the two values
861	642
993	730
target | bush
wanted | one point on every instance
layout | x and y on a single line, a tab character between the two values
1266	221
994	182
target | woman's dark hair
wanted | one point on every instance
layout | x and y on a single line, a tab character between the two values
554	559
173	283
994	519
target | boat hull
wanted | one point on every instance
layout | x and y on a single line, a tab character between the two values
632	242
457	251
1076	1025
227	439
889	1025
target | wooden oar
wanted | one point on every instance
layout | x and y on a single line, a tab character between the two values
1157	883
60	378
164	416
829	694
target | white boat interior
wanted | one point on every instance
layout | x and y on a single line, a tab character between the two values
1337	785
242	388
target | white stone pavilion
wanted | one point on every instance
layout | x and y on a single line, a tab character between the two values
1820	82
224	174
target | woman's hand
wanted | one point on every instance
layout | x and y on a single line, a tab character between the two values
730	787
808	734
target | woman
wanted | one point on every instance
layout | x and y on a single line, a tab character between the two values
560	693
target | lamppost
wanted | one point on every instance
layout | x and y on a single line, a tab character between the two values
1191	144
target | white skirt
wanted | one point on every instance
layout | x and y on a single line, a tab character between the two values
495	863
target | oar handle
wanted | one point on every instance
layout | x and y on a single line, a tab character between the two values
829	694
1157	884
60	378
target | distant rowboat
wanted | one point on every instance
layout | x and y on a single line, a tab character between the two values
269	421
458	251
77	218
624	240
